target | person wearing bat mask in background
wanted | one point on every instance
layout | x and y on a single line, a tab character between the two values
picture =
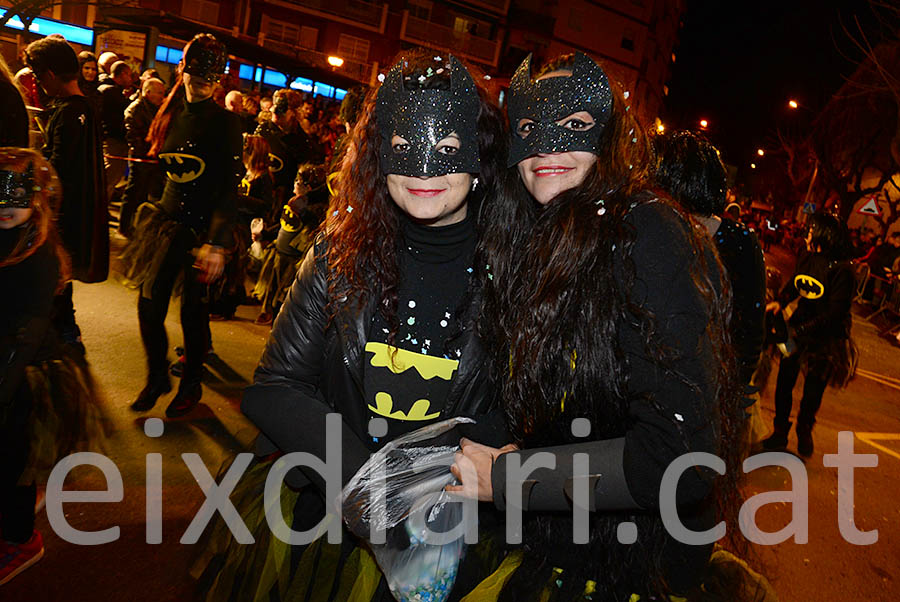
184	236
289	144
817	332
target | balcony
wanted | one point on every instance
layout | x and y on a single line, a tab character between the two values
359	13
428	33
361	72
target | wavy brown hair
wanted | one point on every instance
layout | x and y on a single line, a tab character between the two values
41	227
559	287
363	222
256	156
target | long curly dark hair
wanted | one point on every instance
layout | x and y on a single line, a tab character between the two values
363	222
558	296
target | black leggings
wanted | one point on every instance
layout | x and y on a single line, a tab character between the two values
813	389
16	501
178	261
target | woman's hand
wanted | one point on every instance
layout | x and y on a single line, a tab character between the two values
472	466
773	307
211	262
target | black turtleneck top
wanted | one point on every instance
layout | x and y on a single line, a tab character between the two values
202	160
409	387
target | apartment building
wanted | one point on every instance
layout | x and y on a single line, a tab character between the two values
354	40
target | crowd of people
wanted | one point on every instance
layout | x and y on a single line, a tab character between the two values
574	286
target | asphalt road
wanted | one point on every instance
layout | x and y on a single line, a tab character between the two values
825	568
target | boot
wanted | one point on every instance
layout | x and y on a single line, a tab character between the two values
804	440
187	398
157	385
778	440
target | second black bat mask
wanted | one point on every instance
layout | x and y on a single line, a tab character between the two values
549	100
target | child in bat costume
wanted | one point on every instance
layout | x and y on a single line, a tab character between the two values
817	333
182	239
48	405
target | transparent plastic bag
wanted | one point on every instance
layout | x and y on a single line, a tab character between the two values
257	225
397	503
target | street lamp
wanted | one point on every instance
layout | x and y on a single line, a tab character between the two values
793	103
704	124
335	61
760	152
753	166
660	128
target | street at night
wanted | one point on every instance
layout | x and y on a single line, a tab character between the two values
827	567
449	300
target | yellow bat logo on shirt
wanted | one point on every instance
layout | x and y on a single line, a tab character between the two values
181	167
808	287
400	361
275	163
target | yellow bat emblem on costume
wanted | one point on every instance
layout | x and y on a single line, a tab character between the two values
399	361
384	406
808	287
182	168
275	163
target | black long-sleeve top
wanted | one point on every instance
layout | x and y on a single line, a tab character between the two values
26	336
202	159
435	264
825	288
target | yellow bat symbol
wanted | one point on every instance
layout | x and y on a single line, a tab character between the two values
275	163
182	168
808	287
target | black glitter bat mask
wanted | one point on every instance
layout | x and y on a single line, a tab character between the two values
549	100
205	58
423	118
17	189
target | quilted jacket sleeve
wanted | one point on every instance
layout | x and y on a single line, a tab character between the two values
282	400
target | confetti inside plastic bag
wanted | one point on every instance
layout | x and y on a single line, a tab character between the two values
399	494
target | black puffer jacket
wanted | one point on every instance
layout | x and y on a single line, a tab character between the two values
311	368
138	117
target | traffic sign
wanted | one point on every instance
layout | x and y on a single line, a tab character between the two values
809	208
871	207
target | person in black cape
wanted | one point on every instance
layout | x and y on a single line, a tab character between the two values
73	146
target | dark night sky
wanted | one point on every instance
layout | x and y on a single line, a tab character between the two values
738	63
